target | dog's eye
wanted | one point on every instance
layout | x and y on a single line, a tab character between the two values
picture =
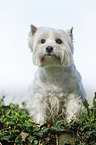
42	41
59	41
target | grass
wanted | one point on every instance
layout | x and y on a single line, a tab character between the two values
17	128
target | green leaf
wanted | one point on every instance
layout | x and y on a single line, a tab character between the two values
36	128
87	106
94	101
24	135
24	104
2	101
6	138
92	132
18	139
65	142
35	142
31	139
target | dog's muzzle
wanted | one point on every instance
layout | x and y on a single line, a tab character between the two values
50	58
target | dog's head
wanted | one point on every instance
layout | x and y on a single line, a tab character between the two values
51	47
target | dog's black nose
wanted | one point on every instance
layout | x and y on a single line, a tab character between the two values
49	49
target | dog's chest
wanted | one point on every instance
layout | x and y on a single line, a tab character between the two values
52	89
55	90
54	82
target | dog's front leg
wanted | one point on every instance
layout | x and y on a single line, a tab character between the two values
39	118
73	107
38	108
37	114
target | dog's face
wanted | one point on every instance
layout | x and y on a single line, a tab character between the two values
51	47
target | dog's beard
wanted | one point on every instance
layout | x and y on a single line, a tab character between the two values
50	60
59	57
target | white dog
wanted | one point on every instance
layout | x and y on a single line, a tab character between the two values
57	89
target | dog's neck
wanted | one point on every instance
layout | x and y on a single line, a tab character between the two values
55	73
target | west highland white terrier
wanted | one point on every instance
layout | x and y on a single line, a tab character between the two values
57	90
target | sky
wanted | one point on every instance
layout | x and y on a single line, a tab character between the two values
16	68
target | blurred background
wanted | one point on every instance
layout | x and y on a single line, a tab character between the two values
16	68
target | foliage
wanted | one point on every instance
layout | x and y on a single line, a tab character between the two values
17	128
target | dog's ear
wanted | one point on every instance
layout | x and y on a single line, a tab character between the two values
69	32
33	29
31	35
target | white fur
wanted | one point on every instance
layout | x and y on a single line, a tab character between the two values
57	88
